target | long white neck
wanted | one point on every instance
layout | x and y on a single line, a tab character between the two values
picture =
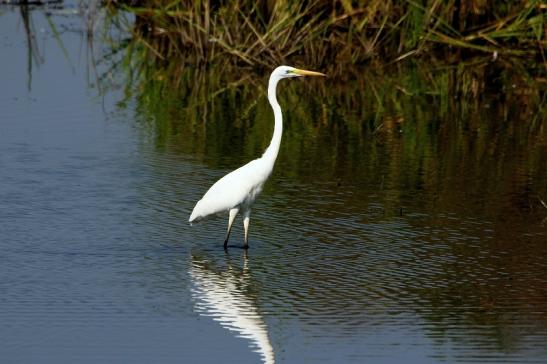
270	155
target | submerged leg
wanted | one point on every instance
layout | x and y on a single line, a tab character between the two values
233	213
246	227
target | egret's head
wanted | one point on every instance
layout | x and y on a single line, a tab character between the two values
287	71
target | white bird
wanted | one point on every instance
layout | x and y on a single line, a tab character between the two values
238	190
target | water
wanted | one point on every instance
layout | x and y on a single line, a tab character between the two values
371	249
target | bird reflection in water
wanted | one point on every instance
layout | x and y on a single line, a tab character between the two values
224	296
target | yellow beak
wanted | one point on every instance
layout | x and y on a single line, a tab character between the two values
307	73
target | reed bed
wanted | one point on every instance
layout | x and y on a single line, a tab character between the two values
337	33
168	64
450	102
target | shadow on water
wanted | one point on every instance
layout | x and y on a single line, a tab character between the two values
224	294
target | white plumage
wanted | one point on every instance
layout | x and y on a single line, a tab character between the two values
238	190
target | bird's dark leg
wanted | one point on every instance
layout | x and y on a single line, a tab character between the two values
231	218
246	227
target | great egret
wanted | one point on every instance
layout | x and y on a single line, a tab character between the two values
238	190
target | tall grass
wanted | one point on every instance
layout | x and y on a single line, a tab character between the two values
159	62
320	33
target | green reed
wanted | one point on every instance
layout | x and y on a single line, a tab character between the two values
337	33
430	127
477	106
370	100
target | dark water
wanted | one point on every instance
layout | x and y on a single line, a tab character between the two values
381	249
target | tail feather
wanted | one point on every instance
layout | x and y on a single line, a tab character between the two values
194	216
